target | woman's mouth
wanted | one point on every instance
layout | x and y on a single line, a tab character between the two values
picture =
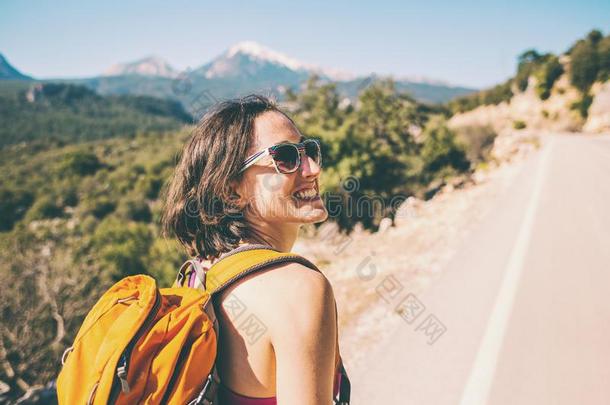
310	194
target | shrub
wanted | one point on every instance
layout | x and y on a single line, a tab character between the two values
519	124
582	106
493	96
546	76
149	187
99	207
603	51
122	247
135	210
479	141
168	257
14	203
527	63
80	163
45	207
442	153
589	59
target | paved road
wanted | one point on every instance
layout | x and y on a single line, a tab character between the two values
522	312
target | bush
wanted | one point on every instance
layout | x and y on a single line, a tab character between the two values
149	187
584	66
167	257
546	76
479	141
442	153
527	63
14	203
603	51
135	210
46	207
122	247
80	163
582	106
46	293
494	96
519	124
590	60
99	207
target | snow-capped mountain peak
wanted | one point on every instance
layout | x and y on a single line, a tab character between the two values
260	52
234	62
149	66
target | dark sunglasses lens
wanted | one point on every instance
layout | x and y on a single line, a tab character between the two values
312	149
286	158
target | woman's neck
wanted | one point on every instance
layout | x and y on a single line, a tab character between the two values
281	238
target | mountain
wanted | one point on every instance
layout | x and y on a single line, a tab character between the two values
8	72
251	59
246	67
243	68
149	66
422	90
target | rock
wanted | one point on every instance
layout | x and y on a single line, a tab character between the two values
406	211
384	225
598	119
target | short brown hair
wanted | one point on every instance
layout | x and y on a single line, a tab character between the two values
200	208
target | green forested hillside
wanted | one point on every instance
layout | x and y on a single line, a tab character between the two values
38	111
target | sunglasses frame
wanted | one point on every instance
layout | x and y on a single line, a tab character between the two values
271	151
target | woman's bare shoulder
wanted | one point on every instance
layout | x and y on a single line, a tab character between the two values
286	289
279	282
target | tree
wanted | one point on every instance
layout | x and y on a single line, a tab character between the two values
14	202
584	66
546	76
442	153
45	296
122	247
527	62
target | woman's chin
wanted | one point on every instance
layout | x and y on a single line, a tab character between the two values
310	214
305	211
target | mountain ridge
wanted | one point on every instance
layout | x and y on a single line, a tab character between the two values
8	71
148	66
245	67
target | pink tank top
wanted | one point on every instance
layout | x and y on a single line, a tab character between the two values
228	397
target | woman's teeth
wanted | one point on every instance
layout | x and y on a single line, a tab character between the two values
310	194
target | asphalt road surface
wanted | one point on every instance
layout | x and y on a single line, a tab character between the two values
521	315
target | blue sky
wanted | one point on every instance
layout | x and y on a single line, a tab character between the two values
471	43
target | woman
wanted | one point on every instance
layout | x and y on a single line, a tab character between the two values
248	176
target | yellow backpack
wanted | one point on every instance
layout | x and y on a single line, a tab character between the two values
142	344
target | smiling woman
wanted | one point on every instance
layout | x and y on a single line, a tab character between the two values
248	178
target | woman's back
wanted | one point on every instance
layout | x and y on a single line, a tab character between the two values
278	335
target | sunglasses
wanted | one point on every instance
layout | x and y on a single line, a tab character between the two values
287	156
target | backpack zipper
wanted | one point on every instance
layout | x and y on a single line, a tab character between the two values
122	367
183	352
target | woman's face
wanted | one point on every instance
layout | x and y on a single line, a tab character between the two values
270	195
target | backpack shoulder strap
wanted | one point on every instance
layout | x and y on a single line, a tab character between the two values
233	265
240	263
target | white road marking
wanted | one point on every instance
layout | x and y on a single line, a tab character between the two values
478	386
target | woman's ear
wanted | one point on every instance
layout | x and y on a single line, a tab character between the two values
236	194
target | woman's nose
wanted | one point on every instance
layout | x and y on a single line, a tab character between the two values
309	167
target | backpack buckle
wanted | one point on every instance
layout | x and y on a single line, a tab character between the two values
208	392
